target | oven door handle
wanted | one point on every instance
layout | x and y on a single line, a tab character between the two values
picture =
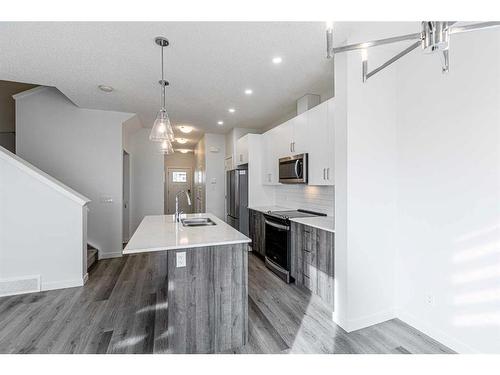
297	168
276	225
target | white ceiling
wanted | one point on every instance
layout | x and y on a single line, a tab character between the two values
208	65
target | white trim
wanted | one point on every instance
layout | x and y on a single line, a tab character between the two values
62	284
116	254
369	320
436	333
43	177
29	92
85	278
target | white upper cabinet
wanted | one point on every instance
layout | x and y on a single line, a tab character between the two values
242	150
311	132
319	140
270	155
283	137
302	138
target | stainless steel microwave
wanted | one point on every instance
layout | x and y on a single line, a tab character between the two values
293	169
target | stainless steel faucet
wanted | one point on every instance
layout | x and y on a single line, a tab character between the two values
177	212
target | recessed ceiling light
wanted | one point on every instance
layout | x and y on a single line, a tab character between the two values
249	91
231	110
220	122
277	60
185	129
105	88
181	140
183	150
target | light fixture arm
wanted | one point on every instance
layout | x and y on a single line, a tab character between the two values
376	43
406	51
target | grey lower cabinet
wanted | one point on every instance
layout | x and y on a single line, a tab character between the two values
256	231
312	263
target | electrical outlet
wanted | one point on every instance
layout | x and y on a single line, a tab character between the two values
430	299
180	259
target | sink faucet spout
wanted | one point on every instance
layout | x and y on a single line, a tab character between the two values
177	212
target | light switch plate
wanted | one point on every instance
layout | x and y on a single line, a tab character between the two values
180	259
106	199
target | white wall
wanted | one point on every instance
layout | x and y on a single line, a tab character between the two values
83	149
42	227
146	173
449	193
417	208
365	175
340	190
215	150
180	160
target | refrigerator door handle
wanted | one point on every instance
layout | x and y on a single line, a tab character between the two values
236	212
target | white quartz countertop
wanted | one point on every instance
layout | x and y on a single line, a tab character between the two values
161	232
321	222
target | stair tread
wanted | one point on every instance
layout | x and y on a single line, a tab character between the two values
91	257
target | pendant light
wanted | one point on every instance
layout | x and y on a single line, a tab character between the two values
166	147
162	129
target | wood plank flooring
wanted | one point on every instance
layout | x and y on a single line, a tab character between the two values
123	309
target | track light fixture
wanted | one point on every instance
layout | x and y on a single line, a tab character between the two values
434	37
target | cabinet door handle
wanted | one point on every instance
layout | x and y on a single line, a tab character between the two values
328	173
324	173
293	143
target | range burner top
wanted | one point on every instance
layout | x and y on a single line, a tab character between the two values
285	215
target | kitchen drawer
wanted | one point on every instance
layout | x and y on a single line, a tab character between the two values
309	257
313	260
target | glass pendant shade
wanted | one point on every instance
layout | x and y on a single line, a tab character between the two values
162	129
166	147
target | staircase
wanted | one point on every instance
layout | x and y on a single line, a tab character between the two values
92	256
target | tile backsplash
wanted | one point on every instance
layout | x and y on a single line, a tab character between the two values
314	198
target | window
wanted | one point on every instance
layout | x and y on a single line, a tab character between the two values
179	176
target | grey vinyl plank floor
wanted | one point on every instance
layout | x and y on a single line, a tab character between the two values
122	309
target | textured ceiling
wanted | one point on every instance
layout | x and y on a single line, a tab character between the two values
208	65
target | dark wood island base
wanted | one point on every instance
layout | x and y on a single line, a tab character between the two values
207	299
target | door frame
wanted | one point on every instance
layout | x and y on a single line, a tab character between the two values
126	193
165	187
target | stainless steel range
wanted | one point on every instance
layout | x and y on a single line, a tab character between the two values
278	240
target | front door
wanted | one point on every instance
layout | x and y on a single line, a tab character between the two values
178	179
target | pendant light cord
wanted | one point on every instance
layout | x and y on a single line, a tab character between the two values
162	82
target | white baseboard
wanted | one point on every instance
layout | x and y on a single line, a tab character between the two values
85	278
435	333
369	320
62	284
116	254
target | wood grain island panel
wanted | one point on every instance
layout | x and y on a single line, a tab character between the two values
207	299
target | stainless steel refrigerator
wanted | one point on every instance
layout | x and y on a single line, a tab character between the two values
237	199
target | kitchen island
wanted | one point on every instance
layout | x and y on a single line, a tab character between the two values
207	280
